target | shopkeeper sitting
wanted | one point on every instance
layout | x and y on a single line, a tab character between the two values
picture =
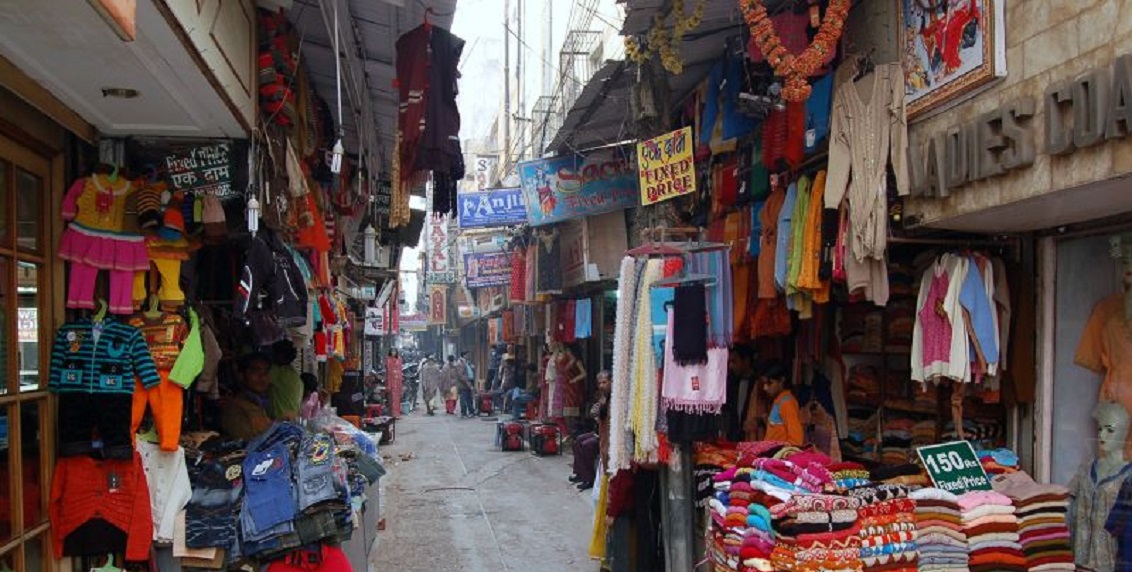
783	424
244	415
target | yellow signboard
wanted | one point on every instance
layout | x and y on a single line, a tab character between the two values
666	166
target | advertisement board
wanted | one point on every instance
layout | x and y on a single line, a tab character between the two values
483	270
572	186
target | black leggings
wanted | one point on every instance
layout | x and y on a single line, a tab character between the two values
80	414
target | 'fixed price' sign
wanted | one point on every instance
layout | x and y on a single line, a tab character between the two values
954	467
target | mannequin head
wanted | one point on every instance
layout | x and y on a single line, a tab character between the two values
1112	429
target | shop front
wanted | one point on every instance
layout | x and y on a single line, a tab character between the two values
1043	155
149	234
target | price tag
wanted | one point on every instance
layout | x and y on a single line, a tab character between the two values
113	482
954	467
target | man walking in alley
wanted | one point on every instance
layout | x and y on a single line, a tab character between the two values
431	377
465	385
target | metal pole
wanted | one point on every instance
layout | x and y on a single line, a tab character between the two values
506	86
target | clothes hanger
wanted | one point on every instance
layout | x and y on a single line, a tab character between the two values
108	567
705	279
149	436
154	310
100	314
427	24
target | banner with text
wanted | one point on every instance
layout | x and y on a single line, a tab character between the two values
441	269
202	170
438	305
483	270
666	166
572	186
492	207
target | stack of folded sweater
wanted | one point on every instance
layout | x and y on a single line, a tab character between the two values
741	532
1043	531
817	533
888	528
992	532
848	475
940	540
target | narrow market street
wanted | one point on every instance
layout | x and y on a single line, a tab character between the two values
453	502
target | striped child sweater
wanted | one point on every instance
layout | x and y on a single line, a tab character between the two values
103	358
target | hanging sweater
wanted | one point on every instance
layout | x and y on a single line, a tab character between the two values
84	490
869	130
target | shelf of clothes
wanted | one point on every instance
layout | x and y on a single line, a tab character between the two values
215	502
772	507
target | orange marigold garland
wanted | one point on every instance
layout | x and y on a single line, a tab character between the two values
795	69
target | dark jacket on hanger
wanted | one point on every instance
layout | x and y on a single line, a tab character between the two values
270	271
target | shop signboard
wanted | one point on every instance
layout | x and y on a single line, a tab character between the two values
441	269
483	167
954	467
27	325
484	270
375	322
414	323
205	170
383	197
438	305
666	166
572	186
573	239
492	207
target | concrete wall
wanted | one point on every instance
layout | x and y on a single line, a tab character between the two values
1047	41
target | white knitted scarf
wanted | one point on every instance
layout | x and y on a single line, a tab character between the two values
622	362
644	396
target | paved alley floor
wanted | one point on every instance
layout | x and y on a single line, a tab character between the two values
459	504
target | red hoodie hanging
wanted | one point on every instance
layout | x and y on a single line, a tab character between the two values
795	69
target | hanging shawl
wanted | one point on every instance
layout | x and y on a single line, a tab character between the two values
622	362
697	388
518	288
720	301
644	392
689	331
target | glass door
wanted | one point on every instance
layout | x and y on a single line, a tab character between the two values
26	428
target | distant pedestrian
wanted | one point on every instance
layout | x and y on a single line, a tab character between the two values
451	379
431	379
465	385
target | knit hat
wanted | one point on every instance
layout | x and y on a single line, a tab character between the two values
174	226
149	206
212	214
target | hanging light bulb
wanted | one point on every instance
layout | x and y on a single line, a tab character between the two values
336	158
253	215
370	245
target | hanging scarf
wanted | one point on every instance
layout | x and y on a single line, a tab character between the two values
689	333
644	391
695	389
622	362
720	297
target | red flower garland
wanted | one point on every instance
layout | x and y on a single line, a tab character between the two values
796	69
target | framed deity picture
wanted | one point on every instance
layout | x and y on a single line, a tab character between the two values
950	47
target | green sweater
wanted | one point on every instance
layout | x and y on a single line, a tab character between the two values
286	393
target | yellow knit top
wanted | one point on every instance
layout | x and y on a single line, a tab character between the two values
100	204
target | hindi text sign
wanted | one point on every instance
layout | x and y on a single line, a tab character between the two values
666	166
202	170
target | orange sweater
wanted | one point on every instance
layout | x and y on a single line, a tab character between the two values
81	491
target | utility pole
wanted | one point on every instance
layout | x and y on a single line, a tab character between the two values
522	110
548	45
506	159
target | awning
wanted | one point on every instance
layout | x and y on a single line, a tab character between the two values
368	31
602	116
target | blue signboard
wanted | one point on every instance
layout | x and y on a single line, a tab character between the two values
483	270
491	207
573	186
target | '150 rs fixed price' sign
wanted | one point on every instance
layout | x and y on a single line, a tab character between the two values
954	467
